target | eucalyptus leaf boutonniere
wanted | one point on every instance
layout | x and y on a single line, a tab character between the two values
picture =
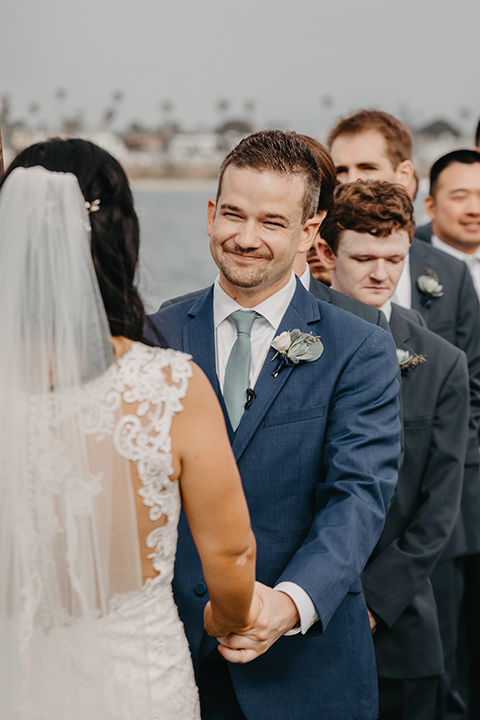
294	347
407	360
430	287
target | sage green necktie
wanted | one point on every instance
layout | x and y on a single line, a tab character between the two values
237	372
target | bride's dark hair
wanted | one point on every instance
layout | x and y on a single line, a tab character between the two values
115	229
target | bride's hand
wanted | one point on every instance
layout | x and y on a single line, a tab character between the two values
278	615
219	626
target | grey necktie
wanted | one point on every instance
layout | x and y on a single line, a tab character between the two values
471	262
237	372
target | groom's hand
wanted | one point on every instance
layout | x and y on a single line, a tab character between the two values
278	615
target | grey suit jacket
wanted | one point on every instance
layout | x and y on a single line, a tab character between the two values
327	294
425	506
424	232
455	316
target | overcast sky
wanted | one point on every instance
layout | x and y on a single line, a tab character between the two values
415	58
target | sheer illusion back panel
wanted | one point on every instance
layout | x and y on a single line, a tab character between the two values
141	652
152	383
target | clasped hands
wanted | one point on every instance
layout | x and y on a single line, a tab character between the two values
272	614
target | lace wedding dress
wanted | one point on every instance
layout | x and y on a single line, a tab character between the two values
141	652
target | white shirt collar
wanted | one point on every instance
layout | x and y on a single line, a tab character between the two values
272	309
305	277
387	309
440	245
403	292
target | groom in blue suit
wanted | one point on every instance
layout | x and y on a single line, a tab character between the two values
316	442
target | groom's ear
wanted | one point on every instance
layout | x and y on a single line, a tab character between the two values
310	230
211	214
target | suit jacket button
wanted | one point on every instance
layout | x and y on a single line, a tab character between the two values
200	589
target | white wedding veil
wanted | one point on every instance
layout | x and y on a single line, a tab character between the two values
68	534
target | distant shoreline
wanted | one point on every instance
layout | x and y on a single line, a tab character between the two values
173	184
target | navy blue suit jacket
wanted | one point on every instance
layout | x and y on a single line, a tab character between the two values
317	452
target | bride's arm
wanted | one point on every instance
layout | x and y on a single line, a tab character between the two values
215	507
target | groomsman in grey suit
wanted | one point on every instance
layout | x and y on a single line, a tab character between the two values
374	145
366	238
453	204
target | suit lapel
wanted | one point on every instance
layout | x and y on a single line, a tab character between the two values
400	329
319	290
199	337
303	309
418	266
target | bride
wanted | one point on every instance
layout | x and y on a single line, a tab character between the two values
101	435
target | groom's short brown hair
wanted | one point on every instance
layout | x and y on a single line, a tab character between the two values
284	153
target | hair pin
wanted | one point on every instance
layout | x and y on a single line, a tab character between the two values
92	206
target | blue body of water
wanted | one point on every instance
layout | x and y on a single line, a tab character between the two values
174	251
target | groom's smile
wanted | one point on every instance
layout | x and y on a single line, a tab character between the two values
256	229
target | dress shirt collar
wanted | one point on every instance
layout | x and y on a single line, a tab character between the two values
472	260
387	309
305	277
440	245
272	309
403	292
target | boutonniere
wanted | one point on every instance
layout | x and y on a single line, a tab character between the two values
294	347
429	285
407	361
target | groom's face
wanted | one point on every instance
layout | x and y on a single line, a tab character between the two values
256	229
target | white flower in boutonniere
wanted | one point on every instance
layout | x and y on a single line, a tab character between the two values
407	361
294	347
430	286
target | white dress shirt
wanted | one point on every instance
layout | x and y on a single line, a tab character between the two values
471	259
387	309
263	332
403	292
264	328
305	277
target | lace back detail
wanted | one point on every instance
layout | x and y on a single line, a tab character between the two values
153	381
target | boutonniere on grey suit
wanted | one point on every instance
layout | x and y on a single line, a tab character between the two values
294	347
407	360
429	285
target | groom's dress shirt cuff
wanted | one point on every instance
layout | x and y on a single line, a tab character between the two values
264	328
306	609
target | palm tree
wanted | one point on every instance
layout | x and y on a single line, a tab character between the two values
6	123
250	111
60	96
223	106
33	109
167	112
